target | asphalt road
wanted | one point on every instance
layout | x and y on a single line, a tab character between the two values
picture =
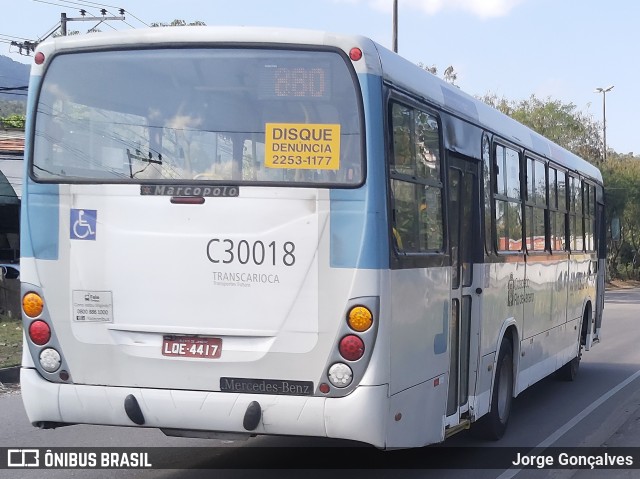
552	413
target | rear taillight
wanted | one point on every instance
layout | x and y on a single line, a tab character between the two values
340	375
39	332
359	318
50	360
32	304
351	347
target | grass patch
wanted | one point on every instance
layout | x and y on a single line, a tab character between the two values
10	342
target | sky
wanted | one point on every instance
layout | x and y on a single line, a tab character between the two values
554	49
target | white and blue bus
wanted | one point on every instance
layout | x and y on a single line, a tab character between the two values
230	232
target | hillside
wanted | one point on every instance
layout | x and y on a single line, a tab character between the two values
12	74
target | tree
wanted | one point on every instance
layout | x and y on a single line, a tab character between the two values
179	23
564	124
13	121
561	122
621	174
449	75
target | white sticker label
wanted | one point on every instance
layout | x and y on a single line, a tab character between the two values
93	306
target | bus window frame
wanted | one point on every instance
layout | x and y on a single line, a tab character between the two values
573	213
556	209
592	214
420	259
213	183
529	203
494	196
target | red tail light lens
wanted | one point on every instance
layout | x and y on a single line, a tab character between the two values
39	332
355	54
351	347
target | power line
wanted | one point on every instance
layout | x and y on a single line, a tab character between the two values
122	10
99	4
141	21
7	88
112	6
12	36
89	4
29	46
49	32
71	4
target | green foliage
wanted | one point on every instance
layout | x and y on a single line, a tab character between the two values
13	121
69	33
179	23
576	131
10	342
561	122
621	174
449	75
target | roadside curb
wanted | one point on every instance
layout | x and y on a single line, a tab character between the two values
10	375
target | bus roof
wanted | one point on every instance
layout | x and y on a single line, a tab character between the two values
202	35
410	77
379	60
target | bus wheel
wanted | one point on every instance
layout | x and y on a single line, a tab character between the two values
569	371
493	425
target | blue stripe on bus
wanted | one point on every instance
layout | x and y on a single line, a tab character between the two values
39	217
39	221
359	238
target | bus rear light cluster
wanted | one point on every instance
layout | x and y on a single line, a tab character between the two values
351	348
40	334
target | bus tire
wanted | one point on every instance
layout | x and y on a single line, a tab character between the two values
493	425
569	371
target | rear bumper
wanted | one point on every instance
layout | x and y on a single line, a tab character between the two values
360	416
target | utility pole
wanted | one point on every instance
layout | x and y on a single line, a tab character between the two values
64	19
29	47
604	117
395	26
63	24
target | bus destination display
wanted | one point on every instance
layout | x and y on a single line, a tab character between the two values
294	82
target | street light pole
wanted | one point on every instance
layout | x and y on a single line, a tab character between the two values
395	26
604	116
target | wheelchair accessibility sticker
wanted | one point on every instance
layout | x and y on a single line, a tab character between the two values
83	224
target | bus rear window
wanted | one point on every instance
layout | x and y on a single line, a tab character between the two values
242	116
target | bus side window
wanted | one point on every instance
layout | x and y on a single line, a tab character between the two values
508	210
415	186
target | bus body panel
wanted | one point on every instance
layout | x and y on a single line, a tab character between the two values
420	311
257	332
501	301
210	411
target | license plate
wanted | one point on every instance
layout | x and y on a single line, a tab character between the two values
191	347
